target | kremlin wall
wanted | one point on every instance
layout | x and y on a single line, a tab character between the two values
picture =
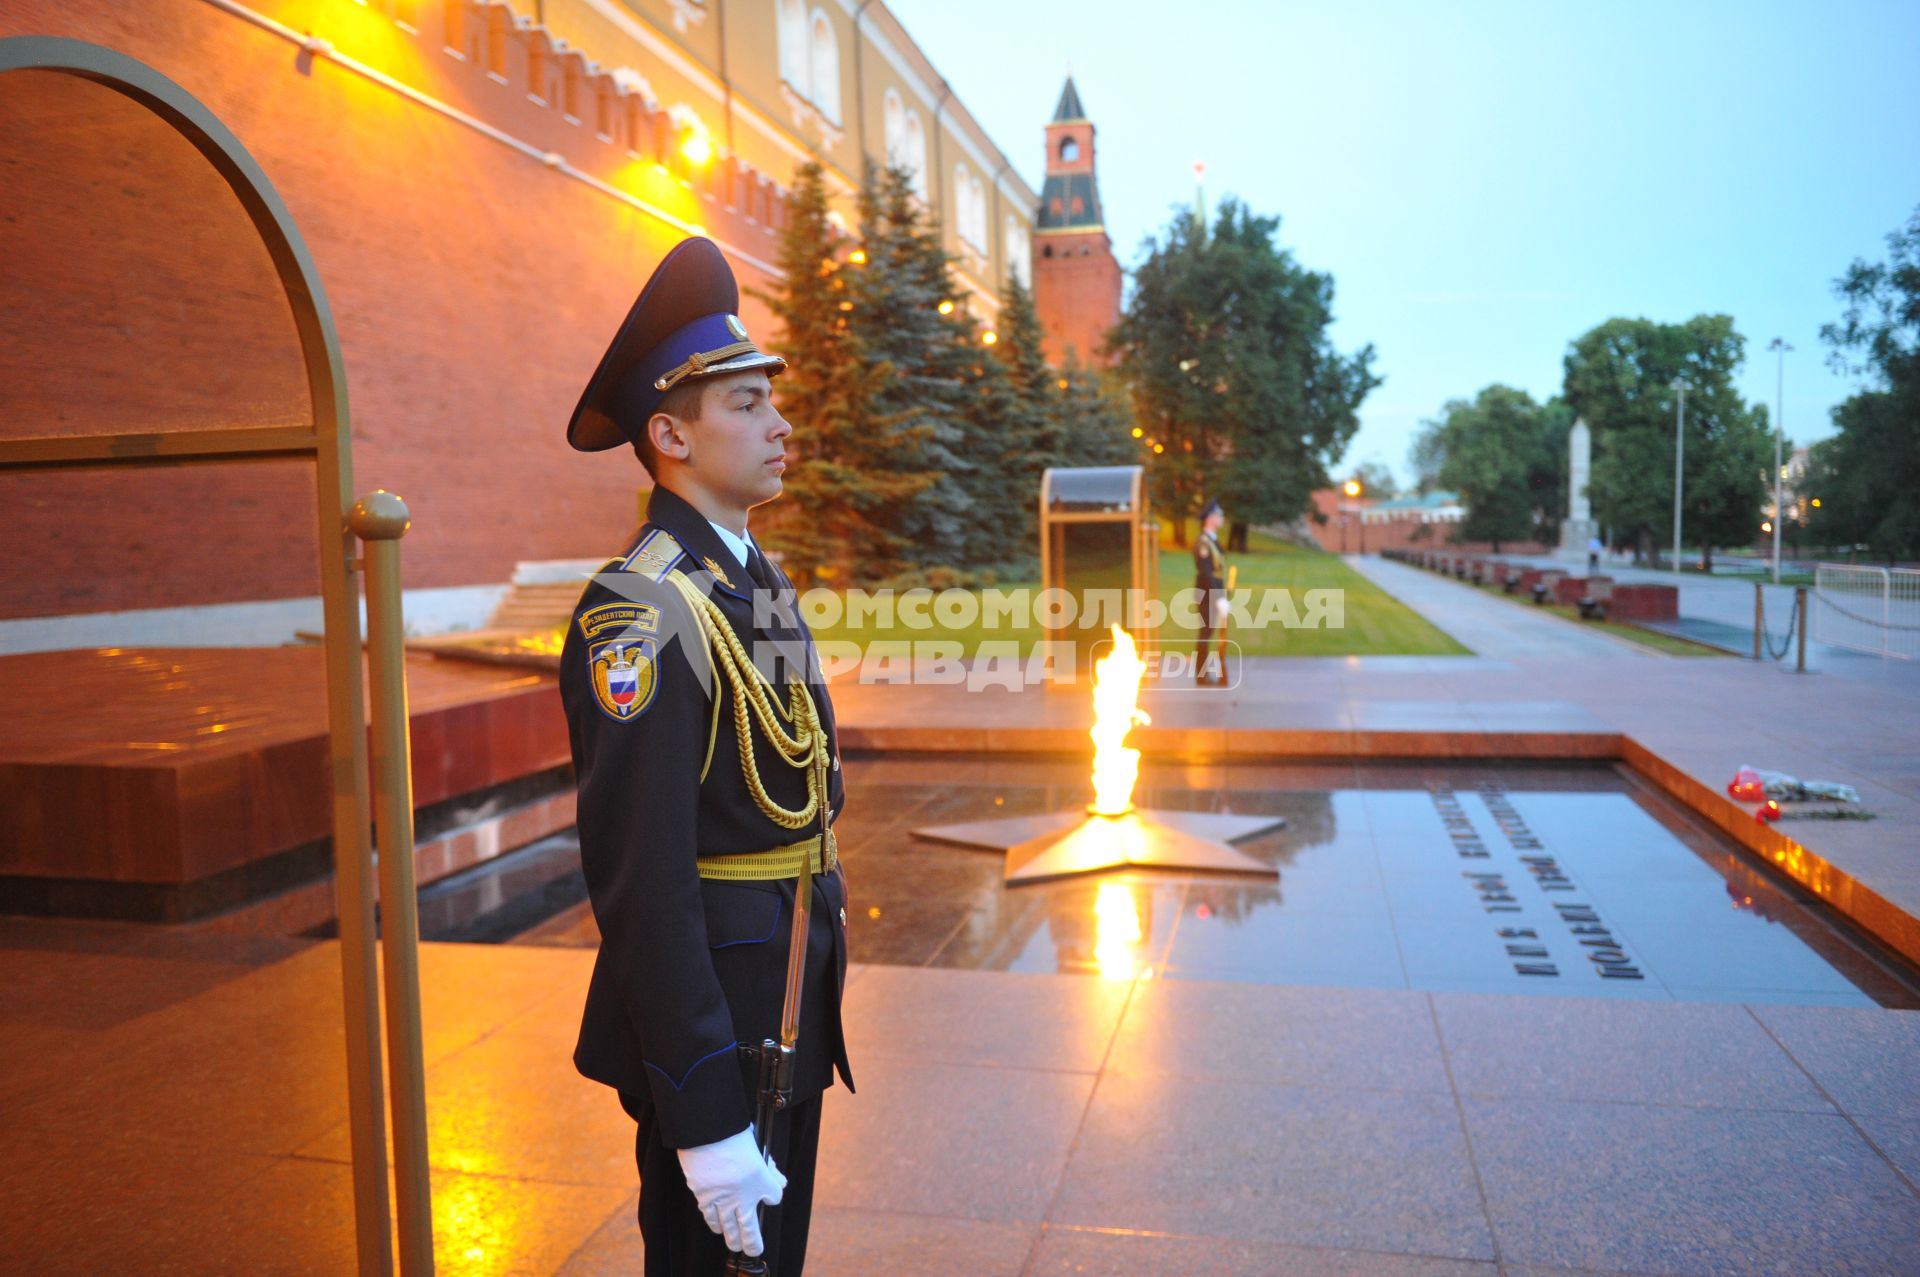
482	195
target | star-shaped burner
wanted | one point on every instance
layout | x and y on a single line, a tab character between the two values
1063	844
1112	833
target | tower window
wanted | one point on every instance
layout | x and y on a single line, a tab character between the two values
1046	250
1069	150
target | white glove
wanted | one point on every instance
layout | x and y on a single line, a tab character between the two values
1221	609
730	1179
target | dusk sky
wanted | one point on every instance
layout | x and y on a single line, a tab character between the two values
1487	181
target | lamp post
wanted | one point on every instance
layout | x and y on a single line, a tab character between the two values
1679	452
1352	490
1780	348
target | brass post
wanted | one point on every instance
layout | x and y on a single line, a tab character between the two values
380	520
1800	606
1759	618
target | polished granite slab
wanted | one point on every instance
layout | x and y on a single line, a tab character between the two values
174	1102
155	770
1574	880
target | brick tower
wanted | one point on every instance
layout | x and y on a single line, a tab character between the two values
1076	281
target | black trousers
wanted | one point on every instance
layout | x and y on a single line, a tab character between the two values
677	1240
1210	648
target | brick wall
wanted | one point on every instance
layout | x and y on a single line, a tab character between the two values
1076	292
473	289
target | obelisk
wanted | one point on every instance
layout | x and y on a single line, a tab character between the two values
1578	527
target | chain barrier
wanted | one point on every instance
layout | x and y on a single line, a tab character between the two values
1786	640
1864	620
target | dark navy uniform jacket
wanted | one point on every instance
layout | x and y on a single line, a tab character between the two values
688	968
1209	565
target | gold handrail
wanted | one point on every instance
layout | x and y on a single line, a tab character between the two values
380	519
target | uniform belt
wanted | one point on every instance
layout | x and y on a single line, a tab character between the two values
771	866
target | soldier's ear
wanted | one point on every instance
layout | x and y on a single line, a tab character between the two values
669	436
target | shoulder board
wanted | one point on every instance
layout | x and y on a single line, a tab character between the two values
656	553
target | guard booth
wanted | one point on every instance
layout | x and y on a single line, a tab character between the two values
1096	536
170	389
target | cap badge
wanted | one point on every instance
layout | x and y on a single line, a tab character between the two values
737	328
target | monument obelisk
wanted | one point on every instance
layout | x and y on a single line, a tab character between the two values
1578	527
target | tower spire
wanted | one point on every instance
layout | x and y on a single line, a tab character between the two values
1069	111
1076	281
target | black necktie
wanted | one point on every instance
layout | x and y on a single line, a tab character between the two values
760	570
762	574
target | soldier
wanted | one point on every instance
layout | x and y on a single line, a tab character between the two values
1210	579
703	745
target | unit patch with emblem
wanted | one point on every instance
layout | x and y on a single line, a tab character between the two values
621	657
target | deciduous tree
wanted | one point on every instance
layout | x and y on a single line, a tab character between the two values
1224	349
1868	475
1619	378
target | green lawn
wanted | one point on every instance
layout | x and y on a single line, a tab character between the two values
1372	622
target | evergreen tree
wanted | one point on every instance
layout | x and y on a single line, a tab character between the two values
1092	421
851	479
1016	422
915	361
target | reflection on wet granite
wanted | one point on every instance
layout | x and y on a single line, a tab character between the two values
1507	878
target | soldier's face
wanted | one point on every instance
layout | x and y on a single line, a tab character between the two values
737	448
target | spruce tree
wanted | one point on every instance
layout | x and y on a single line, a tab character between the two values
1015	421
846	489
915	362
1094	424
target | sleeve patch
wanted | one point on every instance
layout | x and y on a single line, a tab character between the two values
596	622
625	675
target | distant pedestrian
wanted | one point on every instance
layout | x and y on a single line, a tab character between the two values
1593	555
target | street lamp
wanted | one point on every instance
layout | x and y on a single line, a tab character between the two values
1780	348
1679	451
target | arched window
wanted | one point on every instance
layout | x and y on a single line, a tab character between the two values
1019	251
969	207
893	115
793	44
1069	150
824	68
916	154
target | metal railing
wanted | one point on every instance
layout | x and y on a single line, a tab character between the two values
1868	609
364	536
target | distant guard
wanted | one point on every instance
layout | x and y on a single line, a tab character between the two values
1210	579
709	776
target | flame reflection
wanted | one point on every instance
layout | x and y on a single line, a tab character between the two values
1118	933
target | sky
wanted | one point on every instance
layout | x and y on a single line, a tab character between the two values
1486	181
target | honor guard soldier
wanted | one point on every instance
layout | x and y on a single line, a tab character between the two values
703	744
1210	579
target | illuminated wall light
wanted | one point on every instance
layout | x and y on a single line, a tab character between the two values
1159	448
989	337
1137	431
946	307
696	148
846	305
858	257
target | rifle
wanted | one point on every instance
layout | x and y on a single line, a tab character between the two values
773	1091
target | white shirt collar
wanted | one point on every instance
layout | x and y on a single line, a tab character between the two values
738	545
